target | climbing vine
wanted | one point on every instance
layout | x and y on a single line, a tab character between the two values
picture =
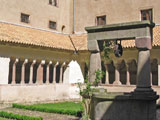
107	49
86	92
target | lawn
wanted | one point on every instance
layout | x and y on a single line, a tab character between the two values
70	108
5	118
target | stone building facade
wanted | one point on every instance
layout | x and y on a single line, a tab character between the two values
43	47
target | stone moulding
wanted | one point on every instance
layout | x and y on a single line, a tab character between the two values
120	26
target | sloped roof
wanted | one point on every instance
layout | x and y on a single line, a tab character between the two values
23	35
29	36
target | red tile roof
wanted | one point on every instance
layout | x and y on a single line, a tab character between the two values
28	36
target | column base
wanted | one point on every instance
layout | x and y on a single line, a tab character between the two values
117	82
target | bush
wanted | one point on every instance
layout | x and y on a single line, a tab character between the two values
69	108
17	116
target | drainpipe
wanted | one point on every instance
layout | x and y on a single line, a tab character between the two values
73	17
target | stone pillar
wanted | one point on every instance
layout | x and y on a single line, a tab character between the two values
61	72
47	72
159	73
143	70
31	72
95	64
54	72
127	75
23	71
117	75
40	72
14	71
107	75
144	67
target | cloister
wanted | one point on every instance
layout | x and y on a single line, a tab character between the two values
38	65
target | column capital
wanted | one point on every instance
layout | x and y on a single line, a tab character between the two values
25	61
33	62
63	64
56	64
143	42
16	61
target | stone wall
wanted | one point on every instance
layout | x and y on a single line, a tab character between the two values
37	93
116	11
40	11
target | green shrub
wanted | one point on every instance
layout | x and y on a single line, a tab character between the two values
17	116
69	108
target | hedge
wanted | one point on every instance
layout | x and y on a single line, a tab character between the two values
49	110
17	116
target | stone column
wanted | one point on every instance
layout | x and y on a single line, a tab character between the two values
40	72
47	72
107	75
143	71
127	75
54	72
61	72
95	64
23	71
117	75
31	72
14	71
144	67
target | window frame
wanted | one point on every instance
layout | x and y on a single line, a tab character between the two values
148	11
49	25
101	17
22	18
51	2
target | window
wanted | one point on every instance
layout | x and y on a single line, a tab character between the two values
53	2
52	25
146	15
24	18
101	20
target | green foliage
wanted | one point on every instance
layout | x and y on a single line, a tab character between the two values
5	118
86	93
69	108
107	48
99	75
18	117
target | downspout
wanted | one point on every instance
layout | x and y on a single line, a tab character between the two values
73	17
75	50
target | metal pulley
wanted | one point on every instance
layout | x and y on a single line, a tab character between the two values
118	50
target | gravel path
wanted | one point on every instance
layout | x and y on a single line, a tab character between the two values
45	116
